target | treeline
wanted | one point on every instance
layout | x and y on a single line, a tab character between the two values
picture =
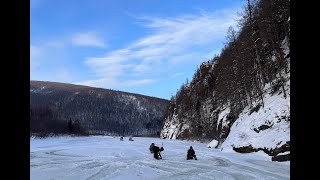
256	55
44	121
98	111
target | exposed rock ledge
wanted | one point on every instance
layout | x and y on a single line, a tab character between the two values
275	153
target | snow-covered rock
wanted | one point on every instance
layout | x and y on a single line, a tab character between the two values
213	144
267	128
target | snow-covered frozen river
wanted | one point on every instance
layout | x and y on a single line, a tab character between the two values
106	157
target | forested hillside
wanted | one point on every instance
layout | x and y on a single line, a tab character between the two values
94	110
252	69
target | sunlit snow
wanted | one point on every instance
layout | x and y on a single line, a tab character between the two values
106	157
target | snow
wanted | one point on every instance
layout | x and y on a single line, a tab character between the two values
106	157
243	131
205	63
284	153
285	46
223	117
172	128
130	99
273	58
37	90
213	144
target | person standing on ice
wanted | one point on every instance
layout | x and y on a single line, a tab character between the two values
191	154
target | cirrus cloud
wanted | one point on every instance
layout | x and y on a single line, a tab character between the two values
173	39
88	39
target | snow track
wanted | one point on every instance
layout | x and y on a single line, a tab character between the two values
95	157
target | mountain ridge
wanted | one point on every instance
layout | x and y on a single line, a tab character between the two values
34	82
98	110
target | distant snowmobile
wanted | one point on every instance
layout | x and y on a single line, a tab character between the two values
130	139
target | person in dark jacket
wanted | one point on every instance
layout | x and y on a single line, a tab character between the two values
191	154
151	147
156	152
130	139
121	138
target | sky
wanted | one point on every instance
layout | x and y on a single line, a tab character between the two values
138	46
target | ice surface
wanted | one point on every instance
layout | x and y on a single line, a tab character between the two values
106	157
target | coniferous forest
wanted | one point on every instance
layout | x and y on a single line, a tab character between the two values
61	108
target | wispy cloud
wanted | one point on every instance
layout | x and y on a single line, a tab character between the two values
35	56
140	82
48	61
173	41
115	83
53	53
88	39
103	82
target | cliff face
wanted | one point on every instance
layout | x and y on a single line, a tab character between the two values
256	126
97	110
192	115
260	126
241	98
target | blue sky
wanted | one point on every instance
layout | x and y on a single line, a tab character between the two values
147	47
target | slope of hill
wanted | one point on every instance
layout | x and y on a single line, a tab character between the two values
53	105
241	98
263	128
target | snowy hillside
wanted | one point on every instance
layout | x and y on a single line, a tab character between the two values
98	111
257	128
105	157
268	128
